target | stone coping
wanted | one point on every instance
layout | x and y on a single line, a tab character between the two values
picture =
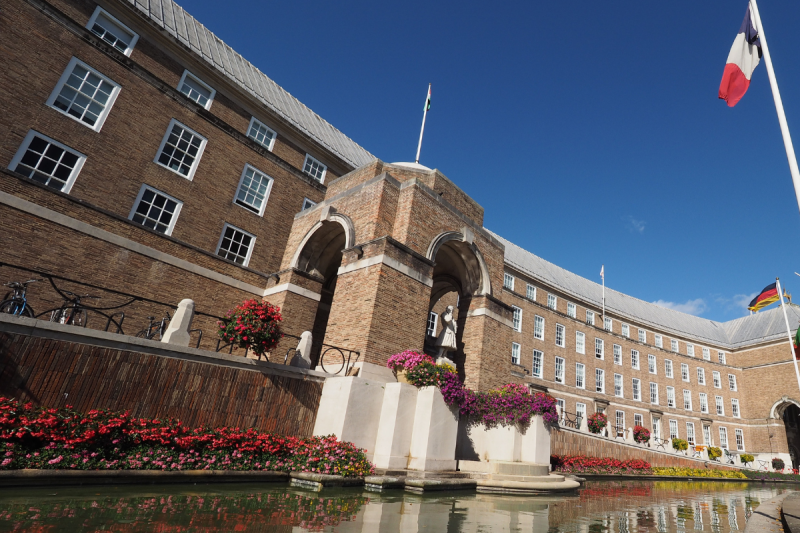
767	517
790	512
104	339
38	478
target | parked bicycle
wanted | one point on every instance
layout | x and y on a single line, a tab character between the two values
71	311
155	330
15	301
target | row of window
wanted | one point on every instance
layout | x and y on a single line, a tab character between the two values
625	329
636	384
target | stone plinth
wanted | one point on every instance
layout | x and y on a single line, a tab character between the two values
433	441
396	426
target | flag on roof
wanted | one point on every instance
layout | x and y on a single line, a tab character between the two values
768	295
742	61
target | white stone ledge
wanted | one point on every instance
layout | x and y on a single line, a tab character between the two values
296	289
483	311
391	263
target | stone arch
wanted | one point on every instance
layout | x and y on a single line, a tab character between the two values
781	405
474	275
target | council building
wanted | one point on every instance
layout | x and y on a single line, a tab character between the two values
141	154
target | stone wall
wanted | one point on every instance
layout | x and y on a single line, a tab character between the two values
55	365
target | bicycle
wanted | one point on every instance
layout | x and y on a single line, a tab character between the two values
71	312
17	304
155	328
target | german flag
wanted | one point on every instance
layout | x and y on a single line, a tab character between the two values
768	295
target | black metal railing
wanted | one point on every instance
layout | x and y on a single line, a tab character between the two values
570	420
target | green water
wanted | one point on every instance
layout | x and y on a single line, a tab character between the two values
624	507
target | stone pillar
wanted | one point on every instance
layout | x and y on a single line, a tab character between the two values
297	294
536	443
433	440
396	426
302	354
178	329
487	333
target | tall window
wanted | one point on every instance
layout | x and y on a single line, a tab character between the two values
530	292
552	301
701	376
572	311
673	429
235	245
155	210
642	336
617	354
706	354
608	324
48	162
739	439
637	390
721	356
514	353
732	382
651	364
590	317
253	191
559	335
433	320
626	330
260	133
315	169
580	376
707	435
690	433
735	407
668	368
670	396
635	359
723	437
620	420
559	376
687	399
537	364
716	378
196	90
684	372
580	412
659	341
181	149
538	327
720	405
517	318
618	385
560	406
703	402
637	419
656	421
600	380
112	31
654	393
580	342
599	348
84	94
508	281
690	350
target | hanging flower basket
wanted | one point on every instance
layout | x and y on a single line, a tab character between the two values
253	325
597	422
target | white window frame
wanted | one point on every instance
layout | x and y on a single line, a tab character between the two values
540	355
197	158
619	419
561	332
608	324
673	429
617	354
687	399
599	349
721	358
626	331
669	370
320	163
580	376
642	336
258	124
212	92
706	354
24	148
671	397
580	410
655	422
251	209
659	341
508	280
100	11
635	359
690	433
690	349
530	292
723	437
720	405
652	364
739	435
552	301
701	376
580	342
572	310
538	333
707	435
638	419
600	380
240	230
636	387
307	204
590	317
674	345
619	391
732	382
431	330
559	377
654	393
516	318
515	353
735	412
703	402
717	379
685	372
101	118
171	225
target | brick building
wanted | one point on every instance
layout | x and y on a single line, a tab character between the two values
141	153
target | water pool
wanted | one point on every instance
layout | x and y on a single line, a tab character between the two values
600	506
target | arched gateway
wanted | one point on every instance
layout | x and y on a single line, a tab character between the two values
364	268
788	411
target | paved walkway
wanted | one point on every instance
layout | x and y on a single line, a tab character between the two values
791	511
767	517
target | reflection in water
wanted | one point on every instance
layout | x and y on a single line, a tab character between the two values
599	507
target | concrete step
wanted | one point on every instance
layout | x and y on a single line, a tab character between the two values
506	468
552	478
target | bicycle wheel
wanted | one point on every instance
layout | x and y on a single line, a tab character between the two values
78	317
145	334
13	307
56	316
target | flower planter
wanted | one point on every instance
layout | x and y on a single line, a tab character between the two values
402	376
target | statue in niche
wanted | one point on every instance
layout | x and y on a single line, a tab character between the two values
447	338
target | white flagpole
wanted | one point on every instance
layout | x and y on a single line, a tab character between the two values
788	332
424	114
603	276
776	95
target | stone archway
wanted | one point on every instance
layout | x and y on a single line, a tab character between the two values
788	410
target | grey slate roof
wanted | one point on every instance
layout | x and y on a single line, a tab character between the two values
221	57
761	327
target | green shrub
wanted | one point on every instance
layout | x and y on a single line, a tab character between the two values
697	472
747	458
680	444
714	452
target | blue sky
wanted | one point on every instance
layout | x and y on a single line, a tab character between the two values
590	132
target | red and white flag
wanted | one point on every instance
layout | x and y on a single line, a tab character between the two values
742	61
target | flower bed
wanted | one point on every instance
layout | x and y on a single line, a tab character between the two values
580	464
697	472
508	405
37	437
764	476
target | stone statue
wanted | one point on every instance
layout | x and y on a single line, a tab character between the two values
447	338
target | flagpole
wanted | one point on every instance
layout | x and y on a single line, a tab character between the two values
776	95
603	271
424	115
788	332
